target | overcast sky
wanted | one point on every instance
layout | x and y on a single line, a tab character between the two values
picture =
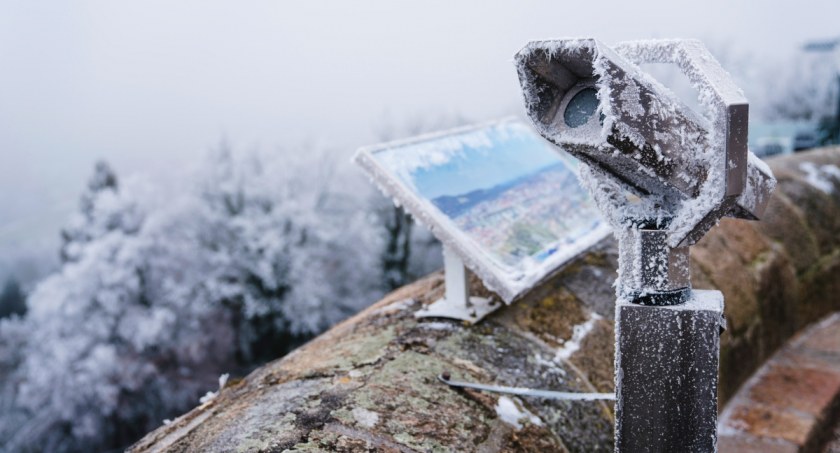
151	85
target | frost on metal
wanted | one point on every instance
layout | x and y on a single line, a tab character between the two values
691	167
393	167
652	162
653	388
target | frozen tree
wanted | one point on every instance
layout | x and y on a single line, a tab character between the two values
89	328
13	336
407	252
798	87
158	294
397	252
28	263
802	89
100	212
155	299
12	299
288	247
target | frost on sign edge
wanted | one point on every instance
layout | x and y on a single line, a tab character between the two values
391	174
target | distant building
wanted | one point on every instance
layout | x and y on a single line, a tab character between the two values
782	137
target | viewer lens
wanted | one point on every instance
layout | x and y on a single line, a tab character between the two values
581	107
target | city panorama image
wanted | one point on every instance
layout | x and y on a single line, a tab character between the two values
499	185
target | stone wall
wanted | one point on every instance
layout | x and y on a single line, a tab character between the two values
777	275
370	382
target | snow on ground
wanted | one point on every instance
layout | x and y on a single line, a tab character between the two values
209	396
437	325
513	412
822	177
365	417
580	332
400	305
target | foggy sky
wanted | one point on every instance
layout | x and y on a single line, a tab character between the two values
151	85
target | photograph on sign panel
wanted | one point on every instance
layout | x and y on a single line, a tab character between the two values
506	189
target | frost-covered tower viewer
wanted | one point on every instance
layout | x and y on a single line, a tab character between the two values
662	175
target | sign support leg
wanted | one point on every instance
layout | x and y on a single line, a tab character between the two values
457	303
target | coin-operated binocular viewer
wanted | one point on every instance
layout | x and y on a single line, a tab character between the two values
662	175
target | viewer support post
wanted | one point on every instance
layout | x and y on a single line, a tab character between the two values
667	349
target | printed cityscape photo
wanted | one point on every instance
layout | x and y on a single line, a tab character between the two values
504	195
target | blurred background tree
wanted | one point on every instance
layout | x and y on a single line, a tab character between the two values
12	299
160	293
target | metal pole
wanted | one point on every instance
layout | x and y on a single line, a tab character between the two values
667	347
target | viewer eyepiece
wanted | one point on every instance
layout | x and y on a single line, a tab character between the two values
581	107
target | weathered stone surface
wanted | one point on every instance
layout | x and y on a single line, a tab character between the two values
370	382
777	275
793	401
